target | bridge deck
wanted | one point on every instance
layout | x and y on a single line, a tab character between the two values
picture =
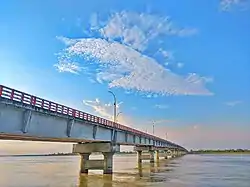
17	107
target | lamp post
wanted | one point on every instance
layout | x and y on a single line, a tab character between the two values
153	127
114	105
118	116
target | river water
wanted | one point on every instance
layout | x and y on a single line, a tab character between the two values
187	171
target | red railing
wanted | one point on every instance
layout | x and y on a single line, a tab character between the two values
28	99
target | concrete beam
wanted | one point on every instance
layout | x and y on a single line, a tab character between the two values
95	147
143	148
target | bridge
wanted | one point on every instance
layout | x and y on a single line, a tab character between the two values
27	117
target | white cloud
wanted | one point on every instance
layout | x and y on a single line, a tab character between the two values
124	67
180	65
166	54
136	30
227	5
233	103
105	110
119	60
65	40
160	106
68	67
161	121
94	22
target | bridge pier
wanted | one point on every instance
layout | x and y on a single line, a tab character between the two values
84	161
152	156
108	163
139	156
85	149
157	156
150	150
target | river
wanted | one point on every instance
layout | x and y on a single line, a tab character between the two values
187	171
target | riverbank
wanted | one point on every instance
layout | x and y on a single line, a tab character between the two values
231	151
62	154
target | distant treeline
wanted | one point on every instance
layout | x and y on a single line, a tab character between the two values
219	151
61	154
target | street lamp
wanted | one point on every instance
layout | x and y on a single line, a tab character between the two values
153	127
114	105
118	116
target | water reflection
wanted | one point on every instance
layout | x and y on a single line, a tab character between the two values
86	180
146	172
188	171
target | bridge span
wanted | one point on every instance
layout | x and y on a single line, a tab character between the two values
27	117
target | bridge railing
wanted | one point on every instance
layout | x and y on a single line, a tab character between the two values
18	96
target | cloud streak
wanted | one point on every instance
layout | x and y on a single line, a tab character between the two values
105	110
68	67
233	103
160	106
228	5
137	30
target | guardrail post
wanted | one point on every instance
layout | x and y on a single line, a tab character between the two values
12	94
1	90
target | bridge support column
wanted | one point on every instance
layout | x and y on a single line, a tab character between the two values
148	153
173	154
157	156
139	157
84	160
152	156
108	163
85	149
168	154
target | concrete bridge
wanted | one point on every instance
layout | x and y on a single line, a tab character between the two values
27	117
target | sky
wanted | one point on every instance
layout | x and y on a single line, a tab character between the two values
181	65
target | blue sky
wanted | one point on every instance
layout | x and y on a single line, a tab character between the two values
183	64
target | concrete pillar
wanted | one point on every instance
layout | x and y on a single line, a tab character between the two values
108	163
139	157
173	153
157	156
152	156
140	169
84	160
85	149
166	155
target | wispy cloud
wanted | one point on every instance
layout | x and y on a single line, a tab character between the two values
105	110
227	5
160	106
159	121
124	67
166	54
180	65
68	67
117	53
136	30
233	103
